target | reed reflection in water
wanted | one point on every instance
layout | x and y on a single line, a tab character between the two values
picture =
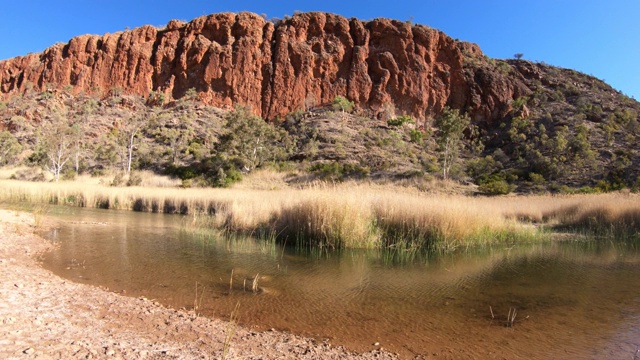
572	299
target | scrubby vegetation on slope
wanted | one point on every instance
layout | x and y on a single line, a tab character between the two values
572	134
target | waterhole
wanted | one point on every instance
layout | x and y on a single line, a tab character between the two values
572	299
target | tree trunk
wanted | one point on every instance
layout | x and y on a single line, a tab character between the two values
130	152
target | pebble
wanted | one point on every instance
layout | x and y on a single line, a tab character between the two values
28	351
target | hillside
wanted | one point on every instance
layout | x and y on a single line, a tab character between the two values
172	91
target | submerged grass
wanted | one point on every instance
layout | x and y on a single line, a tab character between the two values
355	215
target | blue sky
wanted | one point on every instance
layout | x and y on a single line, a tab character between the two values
597	37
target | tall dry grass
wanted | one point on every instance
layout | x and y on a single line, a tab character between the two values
443	222
324	220
354	215
611	215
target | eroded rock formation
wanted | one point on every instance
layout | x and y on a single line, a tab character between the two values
278	68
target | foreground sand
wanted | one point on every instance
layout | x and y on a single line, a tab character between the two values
43	316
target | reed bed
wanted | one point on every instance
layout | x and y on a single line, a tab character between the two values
612	216
443	223
355	215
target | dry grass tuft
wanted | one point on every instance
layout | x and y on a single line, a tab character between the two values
322	221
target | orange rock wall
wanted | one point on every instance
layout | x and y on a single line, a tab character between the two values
305	60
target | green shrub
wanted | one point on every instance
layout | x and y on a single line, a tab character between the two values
337	171
328	171
69	175
586	190
182	172
343	104
296	115
519	103
482	169
118	180
97	172
536	179
416	136
134	179
625	116
226	177
603	186
156	99
564	189
635	187
400	120
357	171
496	186
503	67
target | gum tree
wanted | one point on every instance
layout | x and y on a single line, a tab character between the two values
451	125
248	141
55	142
125	137
9	147
175	134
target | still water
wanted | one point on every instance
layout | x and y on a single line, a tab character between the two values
572	299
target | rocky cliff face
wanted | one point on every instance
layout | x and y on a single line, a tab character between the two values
278	68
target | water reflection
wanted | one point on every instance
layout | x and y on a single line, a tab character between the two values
572	299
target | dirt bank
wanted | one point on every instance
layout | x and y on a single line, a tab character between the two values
43	316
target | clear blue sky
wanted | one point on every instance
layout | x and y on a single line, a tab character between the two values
597	37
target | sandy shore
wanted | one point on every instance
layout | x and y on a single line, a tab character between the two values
46	317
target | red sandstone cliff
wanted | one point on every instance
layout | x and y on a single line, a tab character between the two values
309	58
